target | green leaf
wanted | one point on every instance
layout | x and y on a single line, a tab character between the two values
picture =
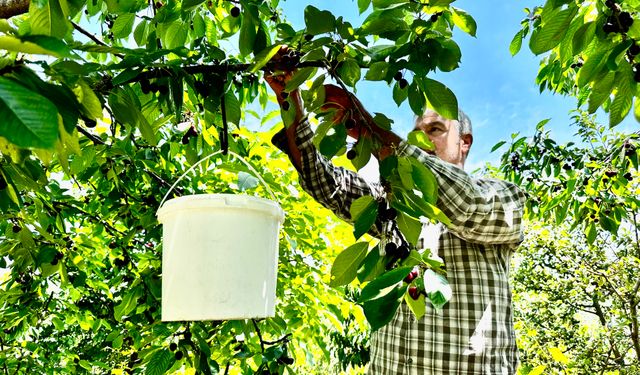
384	284
383	4
621	104
399	95
419	139
177	93
410	227
334	141
417	306
377	71
596	58
123	25
345	267
28	119
583	36
247	34
384	21
263	57
437	289
425	180
601	91
380	311
364	212
363	5
299	77
405	172
349	71
372	266
464	21
363	152
441	99
10	43
317	21
48	19
591	233
160	362
516	43
417	100
175	35
382	121
190	4
246	181
232	106
498	145
90	103
553	28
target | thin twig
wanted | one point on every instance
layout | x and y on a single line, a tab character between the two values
255	325
93	38
93	138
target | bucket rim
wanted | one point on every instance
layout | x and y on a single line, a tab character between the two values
230	200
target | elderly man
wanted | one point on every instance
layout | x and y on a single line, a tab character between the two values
473	333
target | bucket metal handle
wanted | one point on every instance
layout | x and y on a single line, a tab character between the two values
211	155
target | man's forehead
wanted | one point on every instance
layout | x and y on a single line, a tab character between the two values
430	118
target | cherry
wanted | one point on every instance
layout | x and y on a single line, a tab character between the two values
403	83
179	355
411	276
403	251
390	248
610	174
284	95
414	292
350	124
89	123
352	154
610	4
16	228
636	72
398	76
173	346
628	176
145	86
634	49
434	17
389	214
187	335
235	12
626	20
286	106
609	27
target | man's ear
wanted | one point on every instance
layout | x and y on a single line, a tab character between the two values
466	142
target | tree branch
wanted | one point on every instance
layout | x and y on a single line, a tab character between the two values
10	8
92	37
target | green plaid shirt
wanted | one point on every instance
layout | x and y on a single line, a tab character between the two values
473	333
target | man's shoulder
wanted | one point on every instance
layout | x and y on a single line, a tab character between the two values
497	184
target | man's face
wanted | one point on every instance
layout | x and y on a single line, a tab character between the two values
450	146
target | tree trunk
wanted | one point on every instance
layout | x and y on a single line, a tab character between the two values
10	8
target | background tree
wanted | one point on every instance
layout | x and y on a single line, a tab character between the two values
576	290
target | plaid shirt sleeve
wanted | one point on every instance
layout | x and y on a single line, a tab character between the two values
333	187
487	211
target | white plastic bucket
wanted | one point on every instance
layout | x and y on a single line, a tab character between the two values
219	257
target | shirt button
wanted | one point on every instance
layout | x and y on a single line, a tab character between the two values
409	360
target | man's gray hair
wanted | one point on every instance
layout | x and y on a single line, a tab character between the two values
464	123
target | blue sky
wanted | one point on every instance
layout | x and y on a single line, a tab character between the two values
497	91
